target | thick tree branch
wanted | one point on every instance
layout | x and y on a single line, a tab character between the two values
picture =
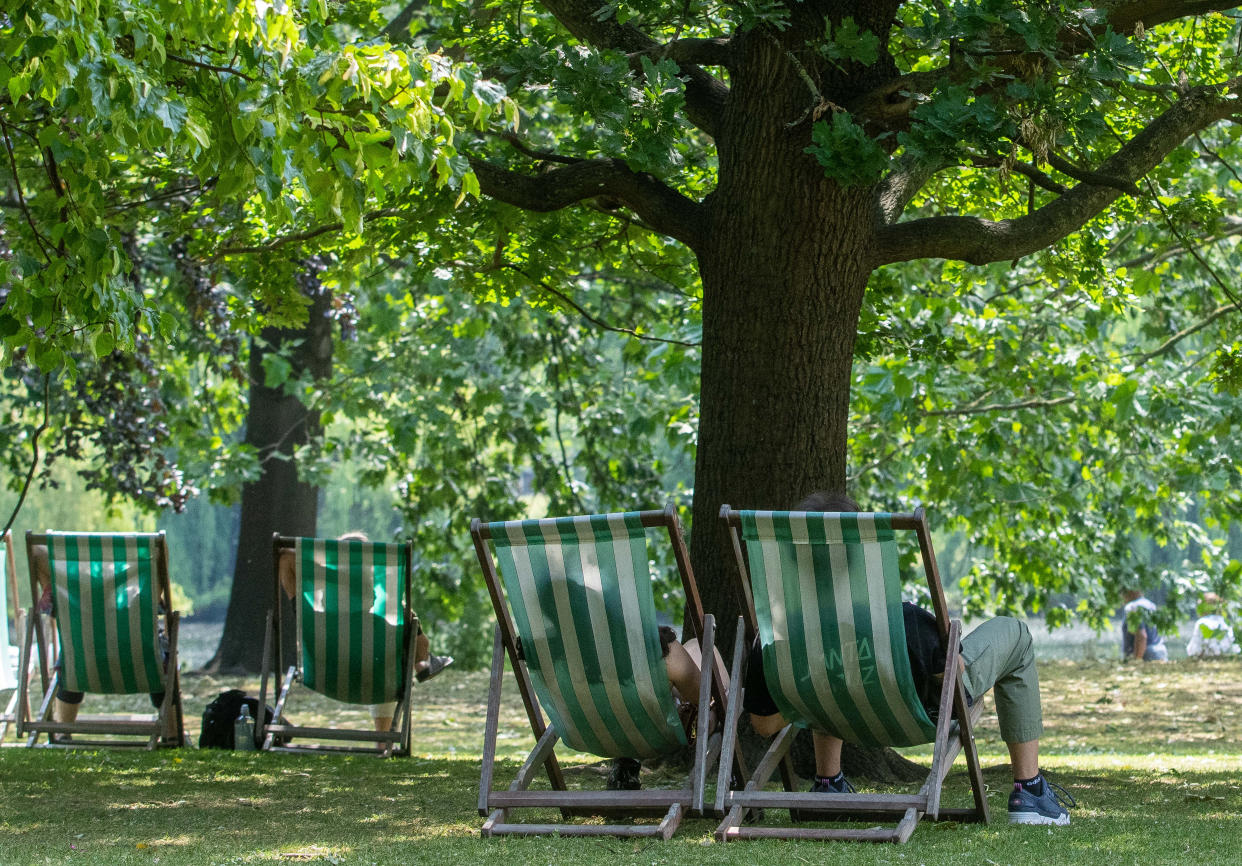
1038	178
900	185
980	241
705	94
1124	16
665	209
1082	175
700	52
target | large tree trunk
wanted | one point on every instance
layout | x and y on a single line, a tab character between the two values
277	501
784	271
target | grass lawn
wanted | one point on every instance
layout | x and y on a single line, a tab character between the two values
1152	753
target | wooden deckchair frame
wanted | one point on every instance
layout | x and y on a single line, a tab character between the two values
496	805
906	809
9	717
145	730
277	735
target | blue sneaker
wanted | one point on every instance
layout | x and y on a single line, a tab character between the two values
829	786
1050	807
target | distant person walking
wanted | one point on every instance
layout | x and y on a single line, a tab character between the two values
1140	639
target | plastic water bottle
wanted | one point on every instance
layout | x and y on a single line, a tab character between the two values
243	731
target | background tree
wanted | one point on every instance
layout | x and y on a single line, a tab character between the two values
283	363
814	181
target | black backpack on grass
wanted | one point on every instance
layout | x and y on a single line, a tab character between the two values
221	713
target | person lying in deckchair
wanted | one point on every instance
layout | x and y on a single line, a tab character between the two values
683	663
68	702
997	655
426	665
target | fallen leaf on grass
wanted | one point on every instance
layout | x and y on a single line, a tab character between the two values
1203	798
314	852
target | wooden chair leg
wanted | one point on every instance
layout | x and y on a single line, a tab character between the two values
264	671
492	724
733	713
698	773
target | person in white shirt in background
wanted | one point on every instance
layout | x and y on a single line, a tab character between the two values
1211	634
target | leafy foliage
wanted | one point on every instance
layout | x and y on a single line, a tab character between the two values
171	166
848	155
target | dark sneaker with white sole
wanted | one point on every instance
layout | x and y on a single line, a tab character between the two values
624	775
1049	807
821	785
832	786
435	664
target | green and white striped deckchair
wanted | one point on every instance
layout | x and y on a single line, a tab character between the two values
354	631
574	593
825	591
117	632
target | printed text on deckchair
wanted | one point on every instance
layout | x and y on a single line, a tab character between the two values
827	593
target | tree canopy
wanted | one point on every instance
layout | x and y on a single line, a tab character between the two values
973	253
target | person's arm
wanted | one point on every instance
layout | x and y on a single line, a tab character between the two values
1140	642
287	573
43	577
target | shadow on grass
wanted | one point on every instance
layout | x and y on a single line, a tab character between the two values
1151	753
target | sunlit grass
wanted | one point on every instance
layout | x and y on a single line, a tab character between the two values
1152	754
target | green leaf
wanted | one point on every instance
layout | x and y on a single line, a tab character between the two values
103	343
276	370
848	155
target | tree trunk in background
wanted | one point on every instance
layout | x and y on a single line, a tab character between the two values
276	424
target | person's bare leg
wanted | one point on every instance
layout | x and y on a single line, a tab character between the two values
422	652
1024	758
767	726
696	655
381	717
683	672
63	712
827	755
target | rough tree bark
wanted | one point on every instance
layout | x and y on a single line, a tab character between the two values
277	501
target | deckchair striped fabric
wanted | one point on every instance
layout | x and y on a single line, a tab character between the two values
827	589
351	618
105	591
580	592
